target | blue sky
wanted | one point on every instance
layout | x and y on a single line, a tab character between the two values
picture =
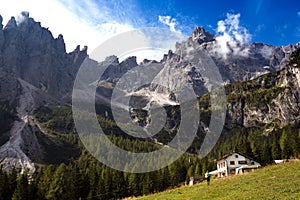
81	22
270	21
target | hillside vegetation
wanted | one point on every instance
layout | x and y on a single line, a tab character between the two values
272	182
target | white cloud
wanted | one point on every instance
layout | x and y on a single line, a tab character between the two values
69	18
266	51
167	20
88	22
232	37
150	43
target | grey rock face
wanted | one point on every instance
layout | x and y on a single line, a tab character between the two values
31	53
1	33
183	67
261	58
201	35
275	102
34	70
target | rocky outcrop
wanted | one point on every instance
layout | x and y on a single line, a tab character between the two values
272	100
34	70
200	35
261	58
186	65
30	52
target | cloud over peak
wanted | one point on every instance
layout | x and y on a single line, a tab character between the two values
232	37
169	21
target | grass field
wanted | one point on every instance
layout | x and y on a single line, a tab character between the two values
272	182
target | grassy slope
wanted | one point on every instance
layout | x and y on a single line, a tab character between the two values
273	182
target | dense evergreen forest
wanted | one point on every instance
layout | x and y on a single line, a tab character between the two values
83	177
86	178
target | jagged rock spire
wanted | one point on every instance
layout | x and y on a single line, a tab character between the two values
1	20
202	35
12	23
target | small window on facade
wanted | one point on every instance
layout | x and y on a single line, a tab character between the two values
232	163
252	163
236	156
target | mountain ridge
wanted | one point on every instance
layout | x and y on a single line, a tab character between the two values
36	71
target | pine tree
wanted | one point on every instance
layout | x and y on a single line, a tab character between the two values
165	180
285	153
294	143
197	170
22	190
101	189
119	184
243	146
177	172
276	154
266	154
93	178
12	182
45	180
298	144
81	183
190	173
108	183
155	181
134	184
62	185
254	150
4	186
204	165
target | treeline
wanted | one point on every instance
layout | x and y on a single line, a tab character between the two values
86	178
261	145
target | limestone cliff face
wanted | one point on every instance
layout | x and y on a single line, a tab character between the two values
29	52
186	65
34	70
258	58
271	99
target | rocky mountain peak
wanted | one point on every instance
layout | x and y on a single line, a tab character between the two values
112	59
169	55
60	43
29	52
1	32
201	35
78	49
12	23
130	61
1	20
